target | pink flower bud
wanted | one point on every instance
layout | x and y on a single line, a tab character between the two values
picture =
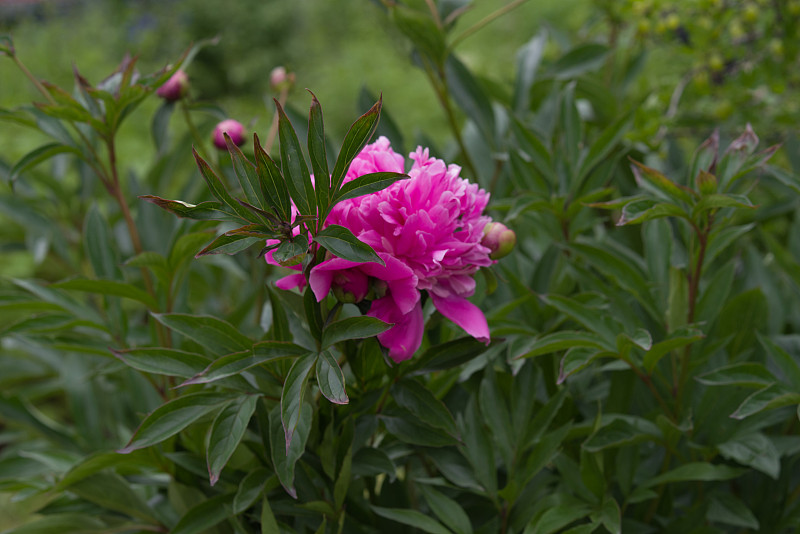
279	79
498	238
175	88
233	128
350	285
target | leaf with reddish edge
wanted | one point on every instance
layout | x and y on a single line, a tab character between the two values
294	389
356	139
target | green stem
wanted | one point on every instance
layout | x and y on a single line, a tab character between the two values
273	128
33	79
439	82
198	139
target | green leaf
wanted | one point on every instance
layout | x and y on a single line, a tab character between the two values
251	487
578	358
604	144
676	340
39	155
229	244
316	152
717	201
407	427
496	415
534	151
216	335
753	450
343	480
601	324
610	515
768	398
787	363
356	139
283	458
581	59
446	509
748	374
529	56
218	190
470	97
163	361
293	163
294	389
421	29
448	355
98	245
238	362
226	433
556	518
367	184
205	515
268	523
478	447
672	190
563	340
172	417
695	471
159	126
618	433
273	184
113	492
359	327
648	209
341	242
725	508
411	518
74	523
111	288
330	379
419	400
370	462
290	252
203	212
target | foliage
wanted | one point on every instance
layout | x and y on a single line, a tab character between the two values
643	373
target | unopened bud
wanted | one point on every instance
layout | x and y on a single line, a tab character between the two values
706	183
279	79
350	286
233	128
175	88
498	238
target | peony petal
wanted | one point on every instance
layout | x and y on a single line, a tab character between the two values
292	281
465	314
405	337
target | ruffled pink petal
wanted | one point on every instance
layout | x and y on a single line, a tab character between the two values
465	314
291	281
405	337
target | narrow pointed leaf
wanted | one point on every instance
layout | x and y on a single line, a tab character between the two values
283	458
662	183
216	335
316	152
294	166
218	189
272	183
229	244
163	361
356	139
246	174
226	433
111	288
204	211
768	398
412	518
419	400
172	417
39	155
231	364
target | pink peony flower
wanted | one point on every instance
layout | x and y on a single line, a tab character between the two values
233	128
175	88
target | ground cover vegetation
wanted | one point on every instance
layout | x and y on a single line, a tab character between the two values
543	279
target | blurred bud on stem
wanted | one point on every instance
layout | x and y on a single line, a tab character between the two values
280	79
175	88
498	238
233	128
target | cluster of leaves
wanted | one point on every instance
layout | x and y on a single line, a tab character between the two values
643	375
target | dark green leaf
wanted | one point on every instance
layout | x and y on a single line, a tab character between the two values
97	243
408	428
470	97
238	362
717	201
330	379
528	59
218	190
768	398
74	523
356	139
581	59
676	340
39	155
411	518
111	288
113	492
787	363
230	244
672	190
205	515
172	417
753	450
725	508
367	184
273	184
370	462
618	433
163	361
749	374
648	209
159	126
604	144
294	389
226	433
293	163
359	327
214	334
418	400
246	174
449	355
251	487
695	471
204	211
446	509
316	152
565	339
285	459
341	242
